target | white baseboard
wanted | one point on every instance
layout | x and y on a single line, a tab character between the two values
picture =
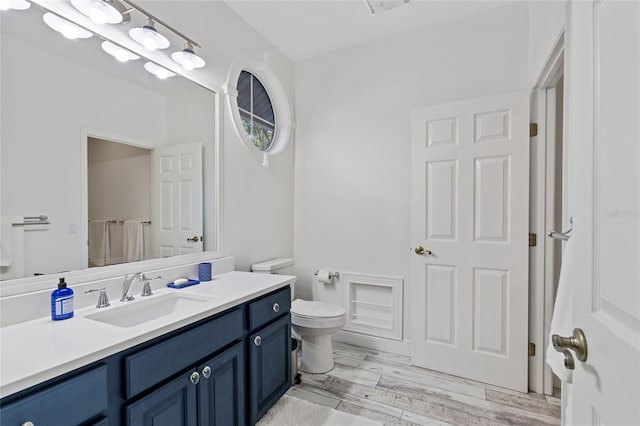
371	342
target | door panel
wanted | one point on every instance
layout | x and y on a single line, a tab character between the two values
221	395
270	361
177	199
603	42
174	404
470	186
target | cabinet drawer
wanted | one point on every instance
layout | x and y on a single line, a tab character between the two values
152	365
269	308
70	402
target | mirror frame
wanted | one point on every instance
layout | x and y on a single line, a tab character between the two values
24	285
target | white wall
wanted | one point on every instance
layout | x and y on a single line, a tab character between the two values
352	170
546	23
119	181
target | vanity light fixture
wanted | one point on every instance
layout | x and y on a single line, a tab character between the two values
158	71
64	27
100	11
149	37
187	58
14	5
121	54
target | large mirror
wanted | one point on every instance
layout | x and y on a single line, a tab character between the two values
116	159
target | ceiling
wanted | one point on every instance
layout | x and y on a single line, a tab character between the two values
302	29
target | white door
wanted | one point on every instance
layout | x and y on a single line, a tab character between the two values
470	209
177	199
603	77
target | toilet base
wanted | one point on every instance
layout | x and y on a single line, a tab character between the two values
317	354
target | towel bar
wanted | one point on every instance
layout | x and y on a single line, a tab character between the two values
34	220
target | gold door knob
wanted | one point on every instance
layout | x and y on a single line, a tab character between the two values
193	239
421	250
576	343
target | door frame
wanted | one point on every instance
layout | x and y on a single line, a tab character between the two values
541	217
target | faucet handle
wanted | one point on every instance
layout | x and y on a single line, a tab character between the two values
146	288
103	299
146	278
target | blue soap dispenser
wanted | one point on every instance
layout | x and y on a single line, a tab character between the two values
62	302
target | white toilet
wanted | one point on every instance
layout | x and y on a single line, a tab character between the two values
313	322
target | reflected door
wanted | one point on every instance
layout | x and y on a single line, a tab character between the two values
177	199
470	201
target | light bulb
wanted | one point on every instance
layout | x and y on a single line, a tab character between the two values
5	4
187	58
150	43
158	71
122	55
69	31
98	15
188	65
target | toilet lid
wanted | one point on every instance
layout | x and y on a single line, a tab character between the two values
305	308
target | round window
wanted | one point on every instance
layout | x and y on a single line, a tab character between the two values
256	111
259	107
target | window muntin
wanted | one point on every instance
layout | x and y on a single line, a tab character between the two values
256	111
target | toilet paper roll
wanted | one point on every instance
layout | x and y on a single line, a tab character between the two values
324	276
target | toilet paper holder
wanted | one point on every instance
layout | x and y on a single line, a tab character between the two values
332	275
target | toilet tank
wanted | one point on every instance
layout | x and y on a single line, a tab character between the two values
280	266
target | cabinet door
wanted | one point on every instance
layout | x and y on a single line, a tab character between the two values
174	404
221	393
270	365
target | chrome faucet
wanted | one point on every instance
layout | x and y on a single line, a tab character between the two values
127	284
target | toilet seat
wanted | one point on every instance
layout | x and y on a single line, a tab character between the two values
309	309
310	314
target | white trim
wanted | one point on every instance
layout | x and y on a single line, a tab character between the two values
541	285
259	64
44	282
372	342
536	225
554	66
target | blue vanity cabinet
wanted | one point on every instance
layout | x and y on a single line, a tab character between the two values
71	400
269	352
205	366
224	370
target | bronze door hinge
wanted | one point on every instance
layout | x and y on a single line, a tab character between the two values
533	129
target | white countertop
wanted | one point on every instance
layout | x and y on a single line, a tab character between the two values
35	351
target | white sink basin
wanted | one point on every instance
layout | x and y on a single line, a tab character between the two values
151	308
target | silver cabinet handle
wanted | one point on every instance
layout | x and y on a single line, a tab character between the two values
194	377
28	424
206	372
276	307
257	341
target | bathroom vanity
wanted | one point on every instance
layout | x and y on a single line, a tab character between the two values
224	360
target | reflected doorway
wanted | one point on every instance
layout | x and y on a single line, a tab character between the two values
119	202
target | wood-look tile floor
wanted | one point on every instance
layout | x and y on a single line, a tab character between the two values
387	388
